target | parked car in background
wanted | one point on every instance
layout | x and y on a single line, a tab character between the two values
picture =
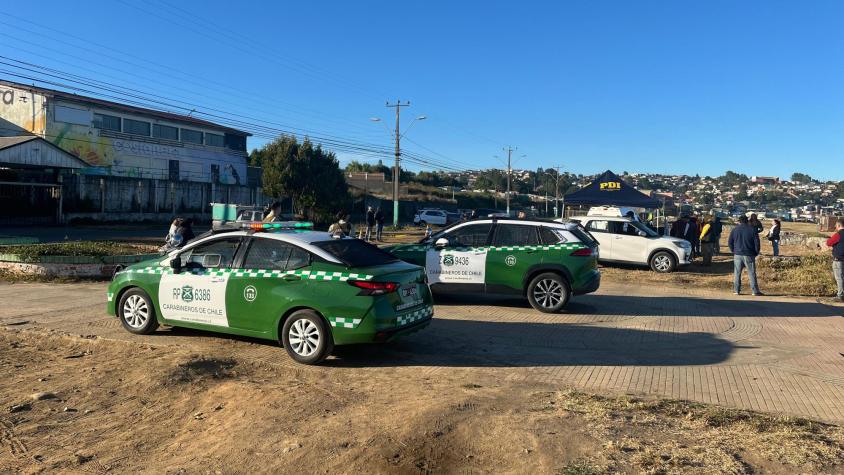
430	216
627	241
490	213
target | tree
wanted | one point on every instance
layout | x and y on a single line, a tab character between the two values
308	174
732	178
801	178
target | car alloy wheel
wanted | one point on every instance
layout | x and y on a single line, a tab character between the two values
304	337
135	311
548	293
663	262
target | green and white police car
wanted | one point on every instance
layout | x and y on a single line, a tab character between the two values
547	262
306	289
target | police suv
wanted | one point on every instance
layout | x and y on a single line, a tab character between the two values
545	261
277	281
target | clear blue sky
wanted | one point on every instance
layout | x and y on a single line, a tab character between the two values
653	86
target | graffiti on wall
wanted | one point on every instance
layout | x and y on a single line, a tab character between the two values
21	112
132	158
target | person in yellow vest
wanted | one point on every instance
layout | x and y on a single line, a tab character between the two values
707	241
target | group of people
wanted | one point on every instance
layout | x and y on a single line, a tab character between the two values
374	225
375	222
745	244
705	236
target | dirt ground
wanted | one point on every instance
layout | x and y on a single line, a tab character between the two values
85	404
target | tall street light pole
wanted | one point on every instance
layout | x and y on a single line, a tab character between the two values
397	168
509	151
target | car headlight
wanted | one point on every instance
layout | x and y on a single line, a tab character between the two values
686	245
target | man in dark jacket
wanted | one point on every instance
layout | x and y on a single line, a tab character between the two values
744	243
836	242
693	236
379	225
717	229
756	224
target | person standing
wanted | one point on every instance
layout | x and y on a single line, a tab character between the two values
774	236
757	225
370	223
274	212
707	241
717	229
379	225
678	228
744	243
693	236
836	242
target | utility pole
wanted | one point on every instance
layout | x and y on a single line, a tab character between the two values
397	169
546	195
509	151
556	192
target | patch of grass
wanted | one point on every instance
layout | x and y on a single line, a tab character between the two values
668	436
31	252
582	467
14	277
809	274
803	274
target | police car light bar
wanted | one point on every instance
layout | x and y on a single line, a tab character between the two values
283	225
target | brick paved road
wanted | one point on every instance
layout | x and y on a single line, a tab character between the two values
769	354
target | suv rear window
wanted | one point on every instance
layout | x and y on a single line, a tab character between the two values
356	253
584	236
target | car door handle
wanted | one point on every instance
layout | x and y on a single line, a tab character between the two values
530	251
218	279
291	278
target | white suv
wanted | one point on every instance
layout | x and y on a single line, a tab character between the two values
431	216
627	241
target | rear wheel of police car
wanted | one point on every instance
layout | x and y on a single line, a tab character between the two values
306	337
548	292
136	312
663	262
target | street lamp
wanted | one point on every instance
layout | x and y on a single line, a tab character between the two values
397	170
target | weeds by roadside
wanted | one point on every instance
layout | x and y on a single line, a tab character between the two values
30	252
668	436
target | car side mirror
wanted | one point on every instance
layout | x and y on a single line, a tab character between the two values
176	264
441	243
211	260
642	234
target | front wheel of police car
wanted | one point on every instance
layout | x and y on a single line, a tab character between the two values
548	293
136	312
306	337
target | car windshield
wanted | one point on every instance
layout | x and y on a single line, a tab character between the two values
356	253
642	227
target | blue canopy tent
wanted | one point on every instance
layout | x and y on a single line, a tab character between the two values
610	190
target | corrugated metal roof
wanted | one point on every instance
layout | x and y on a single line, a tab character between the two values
6	142
121	107
34	151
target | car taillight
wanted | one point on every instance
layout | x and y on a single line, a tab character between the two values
374	288
584	252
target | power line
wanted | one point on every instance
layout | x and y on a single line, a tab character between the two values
164	70
168	70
